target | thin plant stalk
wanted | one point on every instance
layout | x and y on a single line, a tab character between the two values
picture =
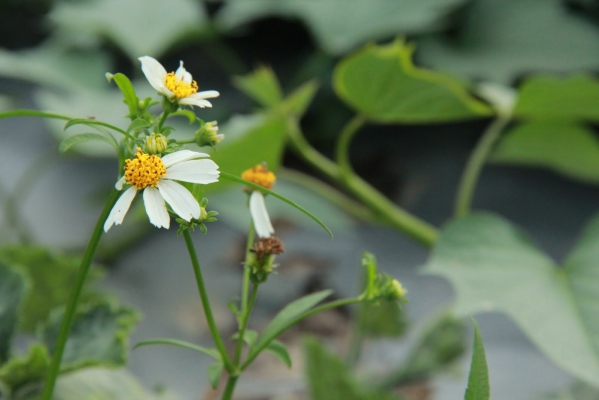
345	138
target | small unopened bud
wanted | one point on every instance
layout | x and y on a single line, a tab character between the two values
398	290
156	144
261	265
208	135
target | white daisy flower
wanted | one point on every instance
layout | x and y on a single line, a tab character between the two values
156	176
260	175
176	86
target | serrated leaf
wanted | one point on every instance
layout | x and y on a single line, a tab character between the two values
128	91
214	372
261	85
382	83
292	312
494	266
301	98
71	141
280	351
50	277
180	343
99	336
12	293
31	368
478	379
571	150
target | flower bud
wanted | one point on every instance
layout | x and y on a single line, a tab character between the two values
261	264
208	135
156	144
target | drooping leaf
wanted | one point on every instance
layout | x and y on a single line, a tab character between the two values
280	351
382	83
128	91
180	343
571	150
71	141
12	293
339	26
499	41
494	266
215	370
143	28
50	276
478	379
292	312
99	336
23	370
261	85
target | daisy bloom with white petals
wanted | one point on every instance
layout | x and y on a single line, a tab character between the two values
156	176
260	175
177	86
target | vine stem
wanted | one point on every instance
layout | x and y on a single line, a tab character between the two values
475	165
345	138
71	307
206	303
394	215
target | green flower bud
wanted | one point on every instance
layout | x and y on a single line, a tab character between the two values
156	144
208	135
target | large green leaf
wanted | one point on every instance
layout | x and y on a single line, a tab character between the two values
261	85
12	291
571	150
31	368
99	336
494	266
149	27
340	26
500	40
554	98
382	83
50	276
478	379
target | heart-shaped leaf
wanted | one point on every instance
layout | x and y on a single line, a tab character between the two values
494	266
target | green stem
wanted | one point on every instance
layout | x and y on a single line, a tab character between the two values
162	120
316	310
244	323
347	134
396	216
475	165
246	270
206	303
230	388
67	320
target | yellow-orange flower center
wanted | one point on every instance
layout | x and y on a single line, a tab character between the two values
260	175
180	88
144	170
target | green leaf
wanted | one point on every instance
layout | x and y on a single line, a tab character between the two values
280	351
286	317
571	150
12	293
249	337
339	26
237	179
214	372
478	380
174	342
50	277
499	41
32	113
382	83
385	319
128	91
150	27
554	98
31	368
99	336
301	98
71	141
190	115
261	85
494	266
92	122
138	124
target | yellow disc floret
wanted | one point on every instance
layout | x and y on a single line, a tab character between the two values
260	175
144	170
180	88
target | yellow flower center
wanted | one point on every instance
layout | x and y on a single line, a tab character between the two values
260	175
180	89
144	170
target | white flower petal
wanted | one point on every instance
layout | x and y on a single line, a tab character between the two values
119	184
155	208
206	94
195	171
180	199
182	73
180	156
120	208
192	101
155	73
260	216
